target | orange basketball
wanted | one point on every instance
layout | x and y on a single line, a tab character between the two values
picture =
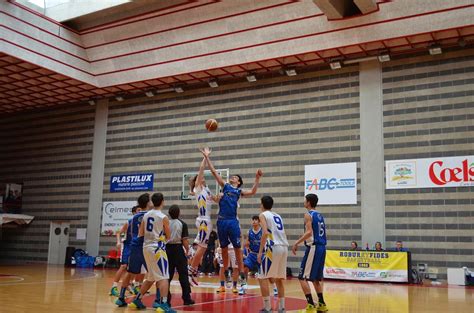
211	124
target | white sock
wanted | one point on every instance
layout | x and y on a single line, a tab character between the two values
115	284
266	303
164	299
281	304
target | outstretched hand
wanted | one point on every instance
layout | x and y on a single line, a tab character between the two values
259	173
205	151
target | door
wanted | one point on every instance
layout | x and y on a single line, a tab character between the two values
58	241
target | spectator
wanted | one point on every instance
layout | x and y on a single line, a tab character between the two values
399	246
378	246
354	246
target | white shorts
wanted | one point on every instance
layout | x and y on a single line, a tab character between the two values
156	263
232	259
204	227
274	263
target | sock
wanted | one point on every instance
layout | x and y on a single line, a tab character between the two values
242	275
122	293
281	304
222	283
309	298
320	297
139	296
234	284
164	300
266	303
115	284
157	296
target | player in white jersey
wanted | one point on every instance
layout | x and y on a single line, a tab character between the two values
274	248
155	230
204	201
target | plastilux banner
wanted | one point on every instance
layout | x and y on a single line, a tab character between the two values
430	173
367	265
114	215
333	183
131	182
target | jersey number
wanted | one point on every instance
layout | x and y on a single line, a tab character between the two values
278	222
149	224
321	229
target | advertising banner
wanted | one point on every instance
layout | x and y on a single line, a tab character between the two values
332	183
384	266
430	173
114	215
131	182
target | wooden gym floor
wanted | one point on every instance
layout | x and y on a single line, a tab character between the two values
41	288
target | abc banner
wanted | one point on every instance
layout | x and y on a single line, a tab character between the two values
430	173
114	215
333	183
367	265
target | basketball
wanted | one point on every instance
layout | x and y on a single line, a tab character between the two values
211	124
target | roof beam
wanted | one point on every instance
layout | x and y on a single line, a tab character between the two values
366	6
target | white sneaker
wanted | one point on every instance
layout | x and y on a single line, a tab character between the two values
241	290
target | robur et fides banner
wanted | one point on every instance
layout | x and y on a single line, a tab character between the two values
131	182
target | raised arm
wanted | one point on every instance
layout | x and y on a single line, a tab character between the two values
308	232
251	192
206	152
263	240
200	176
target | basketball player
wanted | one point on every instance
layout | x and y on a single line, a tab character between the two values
204	200
228	227
155	231
136	259
253	243
125	246
274	248
312	265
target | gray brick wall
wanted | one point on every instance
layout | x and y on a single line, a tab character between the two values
428	112
49	151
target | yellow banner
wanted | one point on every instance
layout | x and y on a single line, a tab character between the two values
367	265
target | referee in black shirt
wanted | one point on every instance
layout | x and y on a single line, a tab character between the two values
176	254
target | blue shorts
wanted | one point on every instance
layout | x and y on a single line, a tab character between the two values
251	262
125	254
228	232
312	265
136	260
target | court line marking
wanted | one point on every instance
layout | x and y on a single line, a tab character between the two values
50	281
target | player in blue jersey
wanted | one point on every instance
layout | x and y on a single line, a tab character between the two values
253	243
312	265
228	227
136	259
125	247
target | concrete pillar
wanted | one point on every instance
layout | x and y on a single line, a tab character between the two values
97	177
372	154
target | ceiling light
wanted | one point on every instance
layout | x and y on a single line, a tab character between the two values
335	64
119	98
91	102
290	72
178	89
251	78
435	49
149	93
384	57
213	83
